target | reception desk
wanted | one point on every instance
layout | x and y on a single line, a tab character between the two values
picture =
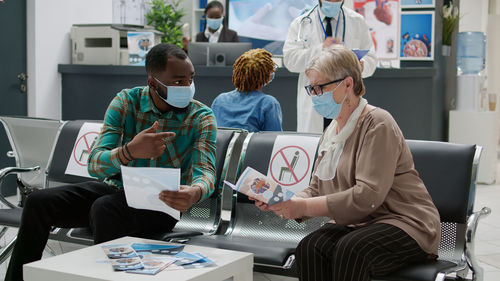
409	94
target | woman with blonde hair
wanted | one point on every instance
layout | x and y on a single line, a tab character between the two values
247	107
382	216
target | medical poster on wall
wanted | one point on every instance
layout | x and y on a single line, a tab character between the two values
417	35
417	4
382	17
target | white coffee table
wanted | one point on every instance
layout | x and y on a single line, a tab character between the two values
82	265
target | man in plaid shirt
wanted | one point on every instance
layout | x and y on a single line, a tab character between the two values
159	125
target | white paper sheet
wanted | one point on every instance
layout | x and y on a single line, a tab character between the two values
143	184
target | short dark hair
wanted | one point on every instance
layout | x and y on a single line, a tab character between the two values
157	57
214	4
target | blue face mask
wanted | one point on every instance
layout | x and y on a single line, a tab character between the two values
178	96
214	23
272	75
331	9
326	106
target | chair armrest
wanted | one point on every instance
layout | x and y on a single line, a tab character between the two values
470	235
11	170
183	236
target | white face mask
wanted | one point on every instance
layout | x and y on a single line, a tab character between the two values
178	96
331	9
214	23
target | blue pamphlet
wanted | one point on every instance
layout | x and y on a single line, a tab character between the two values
143	249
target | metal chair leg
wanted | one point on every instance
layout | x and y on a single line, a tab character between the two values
3	230
7	250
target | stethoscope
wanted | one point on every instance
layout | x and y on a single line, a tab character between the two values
308	18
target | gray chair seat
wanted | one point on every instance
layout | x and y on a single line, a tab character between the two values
418	272
265	252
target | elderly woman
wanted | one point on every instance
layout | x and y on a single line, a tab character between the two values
247	107
364	179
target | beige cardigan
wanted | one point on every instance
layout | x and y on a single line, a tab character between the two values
376	182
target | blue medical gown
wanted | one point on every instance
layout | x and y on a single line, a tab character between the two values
254	111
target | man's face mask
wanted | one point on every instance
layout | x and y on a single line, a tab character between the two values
177	96
331	9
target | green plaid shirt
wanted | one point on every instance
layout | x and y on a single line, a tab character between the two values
192	150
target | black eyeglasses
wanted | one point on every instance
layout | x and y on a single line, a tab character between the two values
317	90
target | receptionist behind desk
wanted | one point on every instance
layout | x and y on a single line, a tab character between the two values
215	31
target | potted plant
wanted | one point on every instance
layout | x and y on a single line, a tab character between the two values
450	20
166	18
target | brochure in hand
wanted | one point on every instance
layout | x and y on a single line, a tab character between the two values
143	184
263	188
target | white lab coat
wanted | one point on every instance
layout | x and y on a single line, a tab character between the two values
296	56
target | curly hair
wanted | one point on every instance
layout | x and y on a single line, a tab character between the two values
252	70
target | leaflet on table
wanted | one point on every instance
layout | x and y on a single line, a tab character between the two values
148	249
142	186
118	251
122	257
189	261
153	265
125	264
152	258
263	188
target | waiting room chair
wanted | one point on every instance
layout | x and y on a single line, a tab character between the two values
56	176
449	173
205	217
270	238
201	218
31	140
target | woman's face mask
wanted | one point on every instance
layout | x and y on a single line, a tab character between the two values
177	96
331	9
326	106
214	24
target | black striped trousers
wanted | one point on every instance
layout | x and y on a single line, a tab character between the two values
341	253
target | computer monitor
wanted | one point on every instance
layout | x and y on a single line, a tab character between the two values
216	54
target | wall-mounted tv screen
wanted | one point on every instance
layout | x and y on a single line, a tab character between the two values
265	23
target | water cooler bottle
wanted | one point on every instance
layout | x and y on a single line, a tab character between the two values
471	86
471	122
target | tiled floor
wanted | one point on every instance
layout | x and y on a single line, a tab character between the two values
487	237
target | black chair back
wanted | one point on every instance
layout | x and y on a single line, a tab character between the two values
447	171
205	216
56	174
248	221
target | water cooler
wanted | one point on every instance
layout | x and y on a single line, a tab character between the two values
472	122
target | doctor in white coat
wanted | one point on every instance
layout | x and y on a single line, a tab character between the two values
308	35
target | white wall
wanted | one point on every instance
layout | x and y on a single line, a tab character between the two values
48	26
473	15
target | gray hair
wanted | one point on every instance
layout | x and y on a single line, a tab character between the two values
336	62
